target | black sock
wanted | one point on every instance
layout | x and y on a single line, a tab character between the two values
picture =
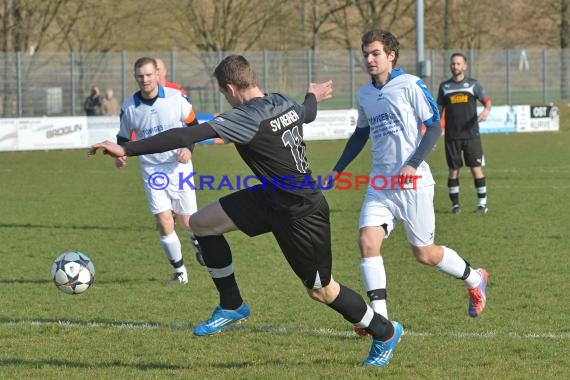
481	187
217	255
353	308
177	264
453	189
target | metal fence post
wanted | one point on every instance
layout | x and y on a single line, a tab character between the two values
173	65
123	78
265	70
218	93
72	81
352	79
471	63
544	77
508	72
309	66
19	79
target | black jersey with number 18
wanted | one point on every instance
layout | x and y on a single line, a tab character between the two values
268	135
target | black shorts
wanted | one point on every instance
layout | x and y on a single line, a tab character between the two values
304	237
472	150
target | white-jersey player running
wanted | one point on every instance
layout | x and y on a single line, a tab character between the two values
392	109
148	112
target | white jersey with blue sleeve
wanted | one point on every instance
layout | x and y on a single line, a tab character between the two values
395	113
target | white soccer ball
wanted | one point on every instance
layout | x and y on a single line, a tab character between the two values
73	272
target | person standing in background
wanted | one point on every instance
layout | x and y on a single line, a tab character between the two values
109	104
457	100
161	67
92	104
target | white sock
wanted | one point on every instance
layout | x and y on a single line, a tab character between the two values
172	248
473	280
455	266
374	277
481	200
451	263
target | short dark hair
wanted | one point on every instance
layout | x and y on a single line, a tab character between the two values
458	55
143	61
235	69
386	38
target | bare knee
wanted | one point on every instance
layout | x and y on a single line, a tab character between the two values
370	241
184	220
197	225
430	255
165	223
326	294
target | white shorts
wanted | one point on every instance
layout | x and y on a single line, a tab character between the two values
181	200
413	208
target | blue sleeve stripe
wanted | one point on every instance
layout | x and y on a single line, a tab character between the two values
432	103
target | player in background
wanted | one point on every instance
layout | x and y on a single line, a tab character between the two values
161	72
267	130
161	69
391	110
147	112
457	100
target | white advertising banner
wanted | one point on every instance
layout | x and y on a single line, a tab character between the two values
52	133
43	133
540	119
9	134
101	128
501	119
331	125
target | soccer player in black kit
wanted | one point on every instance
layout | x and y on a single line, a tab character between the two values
267	130
458	97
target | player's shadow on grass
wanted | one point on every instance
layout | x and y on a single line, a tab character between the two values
38	363
347	334
98	322
76	227
25	281
98	281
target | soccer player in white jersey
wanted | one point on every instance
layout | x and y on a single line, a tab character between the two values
148	112
391	111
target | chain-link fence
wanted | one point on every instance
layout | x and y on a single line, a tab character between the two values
56	84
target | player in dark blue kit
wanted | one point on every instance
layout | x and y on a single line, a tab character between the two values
267	130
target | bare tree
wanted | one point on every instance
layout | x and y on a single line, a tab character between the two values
26	25
447	44
217	26
322	12
89	30
362	15
224	25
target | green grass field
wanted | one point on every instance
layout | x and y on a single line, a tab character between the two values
131	325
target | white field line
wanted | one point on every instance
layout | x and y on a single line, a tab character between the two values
276	329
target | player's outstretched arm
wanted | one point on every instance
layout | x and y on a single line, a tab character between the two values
107	147
322	91
162	142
